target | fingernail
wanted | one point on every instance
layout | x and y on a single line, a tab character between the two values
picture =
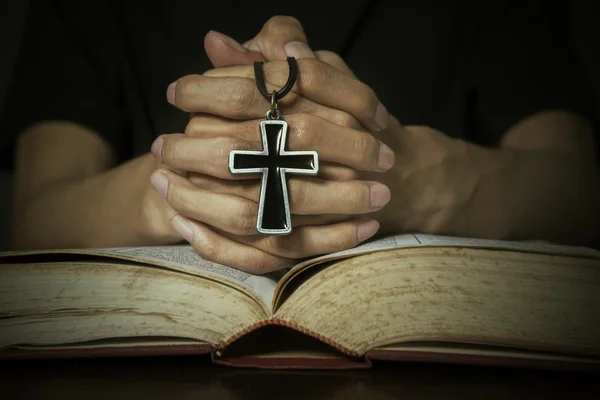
228	41
386	159
160	183
380	195
382	116
367	229
156	148
171	92
298	50
183	227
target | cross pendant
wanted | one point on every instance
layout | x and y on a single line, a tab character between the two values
273	162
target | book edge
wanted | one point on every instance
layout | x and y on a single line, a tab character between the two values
483	360
107	352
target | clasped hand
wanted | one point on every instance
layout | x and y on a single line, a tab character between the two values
328	111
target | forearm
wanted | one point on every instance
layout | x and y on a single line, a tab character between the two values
534	194
104	210
543	182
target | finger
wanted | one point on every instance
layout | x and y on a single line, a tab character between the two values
239	99
216	248
248	190
210	156
335	61
309	241
321	83
207	156
336	172
281	37
199	119
334	143
229	213
224	51
235	214
309	196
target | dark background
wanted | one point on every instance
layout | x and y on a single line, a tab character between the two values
584	35
13	14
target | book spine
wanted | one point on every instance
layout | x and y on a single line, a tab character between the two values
288	324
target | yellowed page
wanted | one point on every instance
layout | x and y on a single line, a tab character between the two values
57	303
536	301
184	259
415	240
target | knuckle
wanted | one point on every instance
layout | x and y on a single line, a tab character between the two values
223	145
200	181
258	264
192	127
367	100
172	151
348	174
362	150
304	126
353	174
167	153
238	97
277	21
300	200
187	88
357	197
208	248
275	72
347	239
339	241
338	172
244	220
347	120
195	126
312	74
176	196
283	247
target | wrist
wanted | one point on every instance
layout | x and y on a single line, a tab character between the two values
432	182
446	186
533	194
492	204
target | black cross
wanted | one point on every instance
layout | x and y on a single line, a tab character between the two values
273	162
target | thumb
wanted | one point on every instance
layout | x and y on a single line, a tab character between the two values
224	51
281	37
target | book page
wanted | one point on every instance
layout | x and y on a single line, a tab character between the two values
534	246
423	240
186	259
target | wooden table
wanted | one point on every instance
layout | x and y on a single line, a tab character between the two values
197	378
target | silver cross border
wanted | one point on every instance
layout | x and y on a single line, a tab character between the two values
273	162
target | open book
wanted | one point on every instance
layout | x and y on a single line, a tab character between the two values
407	297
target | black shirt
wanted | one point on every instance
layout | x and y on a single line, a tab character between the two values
469	68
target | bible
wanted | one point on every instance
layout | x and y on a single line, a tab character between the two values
410	297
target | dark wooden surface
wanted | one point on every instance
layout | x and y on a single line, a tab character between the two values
197	378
